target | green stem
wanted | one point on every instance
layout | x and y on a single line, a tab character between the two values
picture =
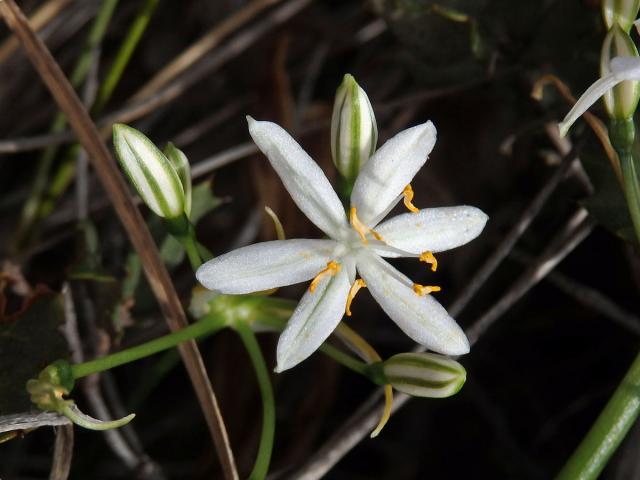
608	431
205	326
124	54
623	407
622	135
346	360
31	210
190	245
263	458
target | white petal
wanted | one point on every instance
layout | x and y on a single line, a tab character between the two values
431	229
266	265
315	317
622	68
302	177
390	169
421	318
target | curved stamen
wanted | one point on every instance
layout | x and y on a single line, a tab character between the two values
408	198
361	228
423	290
331	269
428	257
355	288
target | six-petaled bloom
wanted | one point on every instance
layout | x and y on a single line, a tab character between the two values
356	245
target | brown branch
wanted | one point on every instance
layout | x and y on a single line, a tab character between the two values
62	453
116	188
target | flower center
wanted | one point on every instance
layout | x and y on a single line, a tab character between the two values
361	228
331	269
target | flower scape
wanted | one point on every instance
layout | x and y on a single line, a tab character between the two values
352	257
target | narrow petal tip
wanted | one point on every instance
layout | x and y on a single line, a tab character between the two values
457	344
563	128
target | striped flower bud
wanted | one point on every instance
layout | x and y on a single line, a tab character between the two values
424	374
181	164
151	173
620	12
354	133
620	101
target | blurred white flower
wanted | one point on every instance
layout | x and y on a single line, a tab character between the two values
620	69
356	245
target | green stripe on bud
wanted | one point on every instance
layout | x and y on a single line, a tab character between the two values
424	374
620	101
181	164
354	133
620	12
151	173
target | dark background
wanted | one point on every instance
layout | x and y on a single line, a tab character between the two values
536	379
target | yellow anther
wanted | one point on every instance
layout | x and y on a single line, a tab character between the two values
423	290
355	288
408	197
428	257
361	228
331	269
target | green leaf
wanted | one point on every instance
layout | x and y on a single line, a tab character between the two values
29	341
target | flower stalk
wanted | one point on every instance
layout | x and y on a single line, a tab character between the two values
602	440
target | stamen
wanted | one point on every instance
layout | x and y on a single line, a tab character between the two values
361	228
423	290
355	288
408	197
428	257
331	270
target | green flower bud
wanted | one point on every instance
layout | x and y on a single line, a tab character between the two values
620	101
620	12
354	133
424	374
152	174
181	164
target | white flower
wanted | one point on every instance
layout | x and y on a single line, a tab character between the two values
353	247
621	69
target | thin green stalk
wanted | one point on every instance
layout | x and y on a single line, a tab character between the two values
205	326
622	135
263	458
31	209
622	409
40	205
608	431
346	360
190	245
124	54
